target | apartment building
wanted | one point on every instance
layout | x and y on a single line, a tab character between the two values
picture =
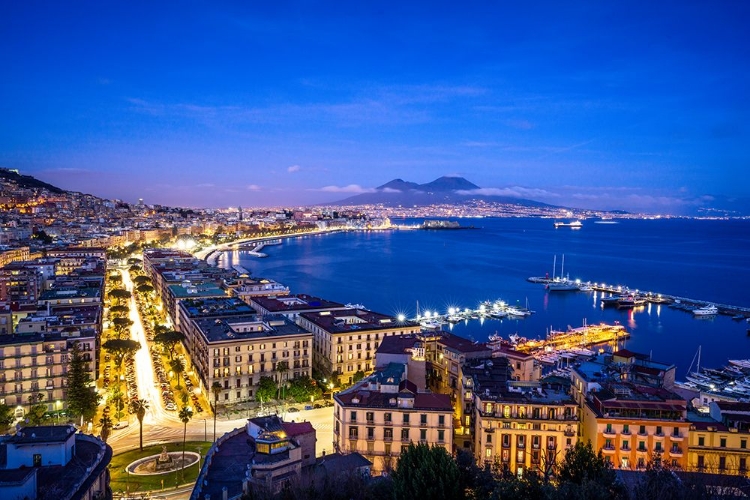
516	425
629	411
20	284
210	308
237	351
379	416
187	290
249	288
292	306
38	364
718	443
345	340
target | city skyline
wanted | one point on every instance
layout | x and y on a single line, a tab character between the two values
640	108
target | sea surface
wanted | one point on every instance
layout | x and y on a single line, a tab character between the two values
393	271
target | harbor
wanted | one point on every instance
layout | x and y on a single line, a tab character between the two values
623	297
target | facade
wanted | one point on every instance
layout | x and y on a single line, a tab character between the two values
20	285
516	426
38	364
210	308
237	351
266	454
629	411
379	416
258	287
54	462
292	306
345	340
719	444
187	290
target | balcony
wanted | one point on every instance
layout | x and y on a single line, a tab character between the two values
569	433
405	439
675	452
387	439
676	437
608	450
609	432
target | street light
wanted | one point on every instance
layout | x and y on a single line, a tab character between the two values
205	430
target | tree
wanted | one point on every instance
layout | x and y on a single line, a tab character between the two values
168	339
144	289
106	424
115	278
81	396
35	416
117	398
119	295
301	389
134	269
119	310
139	407
266	389
120	325
185	415
121	349
216	389
584	471
281	367
7	416
358	375
142	280
178	366
426	472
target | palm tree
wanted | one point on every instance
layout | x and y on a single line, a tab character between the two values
216	389
106	424
178	367
281	367
186	413
139	407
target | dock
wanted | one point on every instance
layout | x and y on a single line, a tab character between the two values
674	301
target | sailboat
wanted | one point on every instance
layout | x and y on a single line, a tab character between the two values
561	284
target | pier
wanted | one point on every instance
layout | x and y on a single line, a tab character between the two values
674	301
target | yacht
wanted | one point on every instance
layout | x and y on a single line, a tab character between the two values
709	310
576	224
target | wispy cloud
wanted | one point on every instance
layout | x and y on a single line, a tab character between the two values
293	168
513	191
253	187
351	188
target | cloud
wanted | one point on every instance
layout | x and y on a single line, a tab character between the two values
253	187
293	168
520	124
513	191
206	185
351	188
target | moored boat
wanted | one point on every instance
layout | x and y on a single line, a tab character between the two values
709	310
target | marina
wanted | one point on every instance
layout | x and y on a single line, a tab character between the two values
625	297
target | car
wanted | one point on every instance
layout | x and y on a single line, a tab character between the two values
120	425
317	405
292	409
308	407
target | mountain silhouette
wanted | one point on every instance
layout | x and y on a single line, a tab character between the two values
446	189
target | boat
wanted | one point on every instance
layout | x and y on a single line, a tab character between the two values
630	301
561	284
576	224
709	310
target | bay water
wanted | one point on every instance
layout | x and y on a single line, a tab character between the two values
393	271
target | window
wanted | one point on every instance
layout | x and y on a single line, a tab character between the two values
722	463
489	437
658	430
701	461
353	432
370	416
701	441
642	429
743	464
506	440
404	434
371	433
723	442
641	445
488	452
626	429
441	420
406	418
423	434
388	433
354	416
743	443
441	436
387	417
608	430
423	419
658	446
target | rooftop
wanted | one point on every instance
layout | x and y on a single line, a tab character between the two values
399	344
248	327
349	320
213	307
462	345
42	434
300	302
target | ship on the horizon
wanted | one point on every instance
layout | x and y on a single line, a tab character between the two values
576	224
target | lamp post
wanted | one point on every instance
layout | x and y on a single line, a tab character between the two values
205	430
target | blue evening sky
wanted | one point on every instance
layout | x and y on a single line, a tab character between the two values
614	105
